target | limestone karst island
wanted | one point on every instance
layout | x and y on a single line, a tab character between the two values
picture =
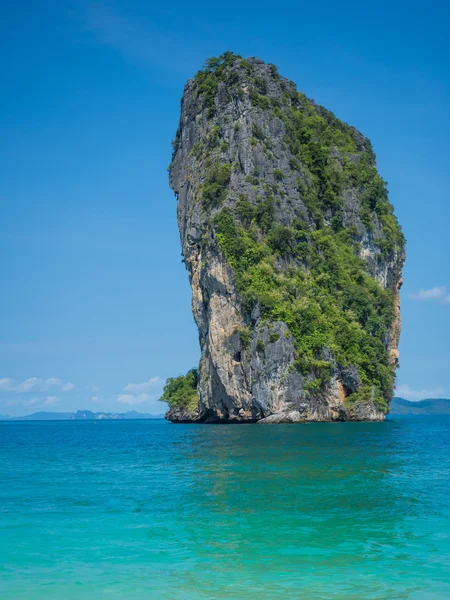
293	252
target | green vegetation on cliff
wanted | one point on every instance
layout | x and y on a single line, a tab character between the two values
181	391
332	304
214	190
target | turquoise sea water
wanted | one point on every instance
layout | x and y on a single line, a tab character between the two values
146	509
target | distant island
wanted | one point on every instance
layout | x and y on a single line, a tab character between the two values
81	415
399	406
430	406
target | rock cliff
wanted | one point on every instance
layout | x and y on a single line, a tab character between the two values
293	252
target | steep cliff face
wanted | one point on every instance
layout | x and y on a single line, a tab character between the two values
293	252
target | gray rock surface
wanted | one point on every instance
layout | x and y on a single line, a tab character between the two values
184	415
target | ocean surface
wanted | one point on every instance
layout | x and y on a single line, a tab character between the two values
146	509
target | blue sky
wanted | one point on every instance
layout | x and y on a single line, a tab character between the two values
95	302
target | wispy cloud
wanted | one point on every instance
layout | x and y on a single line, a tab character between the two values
51	400
146	386
94	388
53	381
439	293
67	387
43	401
6	384
140	393
133	399
34	384
405	391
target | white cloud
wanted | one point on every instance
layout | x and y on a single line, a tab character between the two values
132	399
146	386
51	400
94	388
434	293
52	381
29	384
405	391
67	387
34	384
146	392
6	384
35	400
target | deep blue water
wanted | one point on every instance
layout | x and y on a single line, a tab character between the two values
146	509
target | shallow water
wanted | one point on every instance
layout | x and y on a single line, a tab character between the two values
146	509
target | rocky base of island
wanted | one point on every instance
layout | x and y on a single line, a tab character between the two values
358	412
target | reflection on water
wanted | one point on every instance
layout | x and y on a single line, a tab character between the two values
148	509
323	508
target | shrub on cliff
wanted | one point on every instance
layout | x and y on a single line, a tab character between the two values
181	391
213	190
